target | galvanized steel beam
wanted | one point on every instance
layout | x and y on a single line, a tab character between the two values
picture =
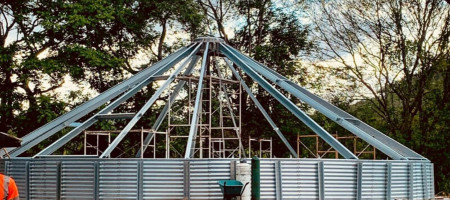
261	108
193	129
146	106
289	105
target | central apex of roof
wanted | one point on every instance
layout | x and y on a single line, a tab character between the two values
209	39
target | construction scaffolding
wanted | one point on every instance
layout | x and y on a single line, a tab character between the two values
264	147
319	152
219	125
92	141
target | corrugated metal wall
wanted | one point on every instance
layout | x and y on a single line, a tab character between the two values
77	180
197	178
163	179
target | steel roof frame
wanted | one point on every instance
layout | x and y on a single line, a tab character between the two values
260	73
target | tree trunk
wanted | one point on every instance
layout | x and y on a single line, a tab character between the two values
162	38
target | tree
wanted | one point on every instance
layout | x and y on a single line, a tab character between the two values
398	53
94	42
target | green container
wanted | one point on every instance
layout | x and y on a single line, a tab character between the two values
230	188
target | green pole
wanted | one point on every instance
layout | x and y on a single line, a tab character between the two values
256	179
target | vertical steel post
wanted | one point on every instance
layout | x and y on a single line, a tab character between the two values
27	187
186	179
359	175
140	178
58	180
321	180
388	180
5	170
278	180
233	170
96	180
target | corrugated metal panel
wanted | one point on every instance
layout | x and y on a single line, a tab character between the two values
299	179
374	180
204	175
77	180
400	180
340	180
18	170
163	179
268	179
43	179
118	179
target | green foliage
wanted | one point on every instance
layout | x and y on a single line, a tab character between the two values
91	41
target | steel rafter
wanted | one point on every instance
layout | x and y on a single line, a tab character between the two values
289	105
367	133
193	129
261	108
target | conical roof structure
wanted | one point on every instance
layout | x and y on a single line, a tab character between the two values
184	60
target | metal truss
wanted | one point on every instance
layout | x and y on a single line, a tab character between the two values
207	47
